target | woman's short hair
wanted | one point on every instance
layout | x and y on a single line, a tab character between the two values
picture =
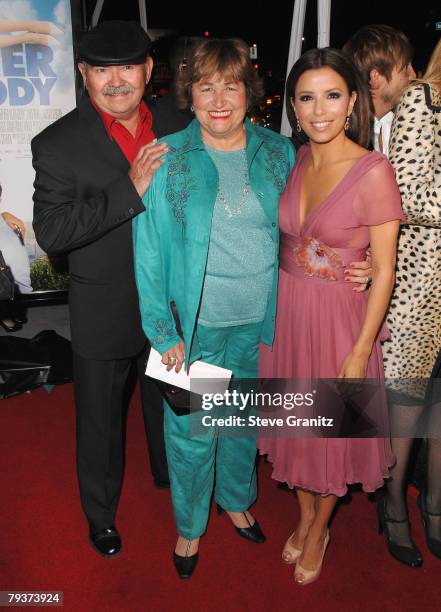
229	57
379	46
361	117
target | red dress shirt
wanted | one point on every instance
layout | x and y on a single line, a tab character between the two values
129	144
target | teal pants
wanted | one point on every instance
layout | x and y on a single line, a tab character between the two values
197	462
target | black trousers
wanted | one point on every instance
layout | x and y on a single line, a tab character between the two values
102	391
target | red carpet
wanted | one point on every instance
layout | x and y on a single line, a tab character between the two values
44	536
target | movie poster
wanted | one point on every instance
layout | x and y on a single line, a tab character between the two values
37	86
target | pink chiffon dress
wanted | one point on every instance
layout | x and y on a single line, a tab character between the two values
319	318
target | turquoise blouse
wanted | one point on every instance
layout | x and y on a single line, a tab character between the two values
171	237
241	256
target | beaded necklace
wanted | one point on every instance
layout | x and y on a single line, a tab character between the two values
243	200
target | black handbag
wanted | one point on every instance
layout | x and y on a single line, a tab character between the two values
181	401
6	281
178	399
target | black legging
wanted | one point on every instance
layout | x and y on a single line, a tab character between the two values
410	421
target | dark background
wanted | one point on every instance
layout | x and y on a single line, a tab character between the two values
268	23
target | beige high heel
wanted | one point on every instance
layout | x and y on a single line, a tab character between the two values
290	554
311	575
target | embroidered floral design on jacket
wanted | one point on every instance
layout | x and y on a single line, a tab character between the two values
277	163
164	331
317	259
179	181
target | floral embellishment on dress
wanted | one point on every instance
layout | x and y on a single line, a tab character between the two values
317	259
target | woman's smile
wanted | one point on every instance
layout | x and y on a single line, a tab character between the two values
220	114
321	126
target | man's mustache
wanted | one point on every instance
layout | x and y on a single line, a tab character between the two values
116	91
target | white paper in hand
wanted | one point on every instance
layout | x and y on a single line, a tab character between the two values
202	378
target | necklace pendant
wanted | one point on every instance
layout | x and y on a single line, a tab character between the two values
243	200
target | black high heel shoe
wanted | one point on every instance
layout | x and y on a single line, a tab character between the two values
185	566
253	533
410	556
433	544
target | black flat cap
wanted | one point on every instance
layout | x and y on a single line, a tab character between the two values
114	43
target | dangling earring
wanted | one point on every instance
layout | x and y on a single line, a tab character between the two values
347	123
299	129
192	108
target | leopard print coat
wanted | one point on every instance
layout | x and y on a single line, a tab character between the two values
414	316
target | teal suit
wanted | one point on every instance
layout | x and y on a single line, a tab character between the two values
171	240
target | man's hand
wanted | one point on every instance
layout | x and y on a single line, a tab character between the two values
360	273
174	357
144	165
14	223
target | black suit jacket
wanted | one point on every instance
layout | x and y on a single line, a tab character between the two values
84	202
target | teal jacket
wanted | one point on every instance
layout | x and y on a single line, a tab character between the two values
171	237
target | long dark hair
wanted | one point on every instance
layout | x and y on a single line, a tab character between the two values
361	118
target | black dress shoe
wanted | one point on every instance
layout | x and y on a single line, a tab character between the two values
253	533
107	542
410	556
161	484
185	565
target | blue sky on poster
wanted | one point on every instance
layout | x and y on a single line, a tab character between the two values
20	90
57	12
47	10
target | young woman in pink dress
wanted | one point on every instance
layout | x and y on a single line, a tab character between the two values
340	198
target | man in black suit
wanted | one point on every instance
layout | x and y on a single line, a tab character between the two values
92	168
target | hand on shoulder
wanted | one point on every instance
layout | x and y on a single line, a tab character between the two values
145	164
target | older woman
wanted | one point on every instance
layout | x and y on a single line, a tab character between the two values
209	241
